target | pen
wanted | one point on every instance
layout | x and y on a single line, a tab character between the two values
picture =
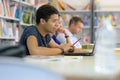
76	41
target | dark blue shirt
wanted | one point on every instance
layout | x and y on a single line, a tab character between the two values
55	39
32	30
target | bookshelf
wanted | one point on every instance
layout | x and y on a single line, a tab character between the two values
13	12
11	19
109	9
28	3
95	10
73	12
25	8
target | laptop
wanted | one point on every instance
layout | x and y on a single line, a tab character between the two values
83	53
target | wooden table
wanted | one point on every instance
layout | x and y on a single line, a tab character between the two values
75	67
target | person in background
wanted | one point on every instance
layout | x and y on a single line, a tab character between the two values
61	29
74	28
56	32
37	39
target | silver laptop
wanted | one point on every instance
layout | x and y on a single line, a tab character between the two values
84	53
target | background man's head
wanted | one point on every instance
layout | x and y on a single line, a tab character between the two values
75	25
47	18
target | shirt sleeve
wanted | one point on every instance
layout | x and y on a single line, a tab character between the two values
61	38
55	39
27	32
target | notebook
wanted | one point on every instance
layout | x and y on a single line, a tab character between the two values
84	53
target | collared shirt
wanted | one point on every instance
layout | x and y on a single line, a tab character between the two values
55	39
32	30
73	38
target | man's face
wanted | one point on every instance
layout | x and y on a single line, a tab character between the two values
60	20
52	24
76	28
60	24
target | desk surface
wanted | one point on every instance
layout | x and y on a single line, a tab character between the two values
74	67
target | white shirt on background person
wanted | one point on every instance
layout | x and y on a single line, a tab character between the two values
73	38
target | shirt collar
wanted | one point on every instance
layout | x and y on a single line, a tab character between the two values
69	33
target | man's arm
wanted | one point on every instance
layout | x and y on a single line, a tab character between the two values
67	37
65	47
63	35
34	49
76	50
53	44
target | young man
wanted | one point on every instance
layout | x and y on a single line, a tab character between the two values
75	27
56	32
37	40
61	29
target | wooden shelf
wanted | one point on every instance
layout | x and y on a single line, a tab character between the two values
27	4
17	21
7	38
73	11
24	24
16	1
116	27
107	10
10	18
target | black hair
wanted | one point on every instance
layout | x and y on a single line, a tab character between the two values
74	20
45	12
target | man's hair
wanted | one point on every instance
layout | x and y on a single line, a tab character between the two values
45	12
74	20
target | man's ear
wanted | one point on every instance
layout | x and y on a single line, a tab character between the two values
42	21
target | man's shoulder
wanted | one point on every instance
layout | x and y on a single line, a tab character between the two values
32	28
28	31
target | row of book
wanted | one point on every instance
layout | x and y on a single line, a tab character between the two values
114	18
32	2
9	8
28	16
66	5
107	5
84	17
9	29
41	2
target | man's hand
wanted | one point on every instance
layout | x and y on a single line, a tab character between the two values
66	47
61	29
